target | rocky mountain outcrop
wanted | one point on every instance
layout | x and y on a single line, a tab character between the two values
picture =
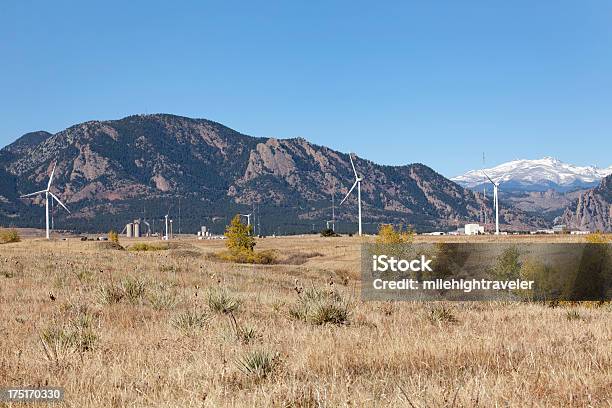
593	209
109	172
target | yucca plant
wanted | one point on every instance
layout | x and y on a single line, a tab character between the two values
321	306
257	363
190	319
220	300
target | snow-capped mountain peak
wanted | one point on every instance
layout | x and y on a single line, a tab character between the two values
540	174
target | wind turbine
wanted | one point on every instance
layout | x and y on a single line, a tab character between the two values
48	193
495	200
358	184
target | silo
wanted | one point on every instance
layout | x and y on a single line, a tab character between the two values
137	229
129	230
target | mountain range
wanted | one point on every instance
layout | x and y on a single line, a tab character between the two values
536	175
202	173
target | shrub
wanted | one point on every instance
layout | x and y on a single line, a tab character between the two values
257	363
263	257
596	238
328	232
321	306
9	235
221	301
251	257
143	246
508	265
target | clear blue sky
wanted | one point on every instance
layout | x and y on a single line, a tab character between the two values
435	82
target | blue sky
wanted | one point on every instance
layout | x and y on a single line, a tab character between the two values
435	82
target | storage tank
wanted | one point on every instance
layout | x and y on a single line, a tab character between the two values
137	229
129	230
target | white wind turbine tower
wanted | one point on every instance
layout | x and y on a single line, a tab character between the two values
48	193
495	200
358	184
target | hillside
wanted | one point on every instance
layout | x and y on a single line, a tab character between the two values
109	172
593	209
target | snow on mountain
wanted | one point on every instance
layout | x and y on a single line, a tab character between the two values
536	175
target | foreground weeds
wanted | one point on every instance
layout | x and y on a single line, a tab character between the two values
125	329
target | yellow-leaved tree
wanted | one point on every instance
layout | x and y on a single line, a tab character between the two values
389	235
239	237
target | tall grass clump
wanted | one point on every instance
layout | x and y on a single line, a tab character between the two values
132	289
321	306
189	320
110	293
220	300
441	314
8	236
163	297
71	334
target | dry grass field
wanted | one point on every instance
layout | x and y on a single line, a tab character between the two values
173	328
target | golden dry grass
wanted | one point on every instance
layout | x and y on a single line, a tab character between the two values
164	347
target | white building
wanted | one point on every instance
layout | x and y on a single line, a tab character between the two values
474	229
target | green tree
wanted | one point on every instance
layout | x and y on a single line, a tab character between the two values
239	237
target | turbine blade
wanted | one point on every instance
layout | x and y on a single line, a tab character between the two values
487	176
59	202
353	166
32	194
499	180
349	193
51	178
